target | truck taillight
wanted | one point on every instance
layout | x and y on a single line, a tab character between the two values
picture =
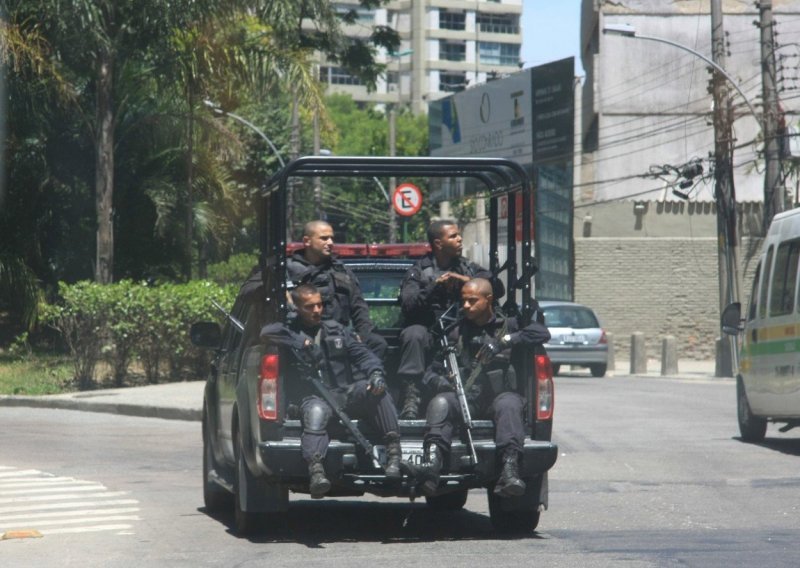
268	387
545	391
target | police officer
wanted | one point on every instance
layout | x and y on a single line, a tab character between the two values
341	293
313	342
428	289
494	341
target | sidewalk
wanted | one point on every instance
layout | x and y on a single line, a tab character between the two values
184	400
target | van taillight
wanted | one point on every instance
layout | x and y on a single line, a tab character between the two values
545	392
268	387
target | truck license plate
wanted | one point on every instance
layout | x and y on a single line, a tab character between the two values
412	452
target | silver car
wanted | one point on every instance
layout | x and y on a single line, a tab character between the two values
576	337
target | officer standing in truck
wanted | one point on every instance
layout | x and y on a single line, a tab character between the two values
429	287
313	343
492	341
342	299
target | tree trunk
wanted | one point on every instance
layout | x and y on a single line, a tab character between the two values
104	170
187	267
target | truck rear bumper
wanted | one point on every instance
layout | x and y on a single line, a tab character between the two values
347	465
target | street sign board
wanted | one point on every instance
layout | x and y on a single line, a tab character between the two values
407	199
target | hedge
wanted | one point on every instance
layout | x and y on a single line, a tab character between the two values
129	322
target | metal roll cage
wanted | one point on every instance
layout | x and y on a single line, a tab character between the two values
498	175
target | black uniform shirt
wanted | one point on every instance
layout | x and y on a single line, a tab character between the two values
341	294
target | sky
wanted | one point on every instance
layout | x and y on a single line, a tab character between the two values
551	31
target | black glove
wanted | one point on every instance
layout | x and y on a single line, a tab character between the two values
491	347
438	383
376	384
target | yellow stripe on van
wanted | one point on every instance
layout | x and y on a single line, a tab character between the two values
778	332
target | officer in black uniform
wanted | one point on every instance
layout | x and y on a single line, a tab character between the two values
341	293
492	339
429	287
312	342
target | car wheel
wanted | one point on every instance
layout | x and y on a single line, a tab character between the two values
449	501
215	498
520	522
598	370
245	522
752	428
556	369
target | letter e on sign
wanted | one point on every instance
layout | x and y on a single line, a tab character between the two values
407	199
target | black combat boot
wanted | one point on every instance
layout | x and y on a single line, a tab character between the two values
318	484
427	474
509	484
394	455
411	400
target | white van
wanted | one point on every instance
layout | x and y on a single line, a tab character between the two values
768	379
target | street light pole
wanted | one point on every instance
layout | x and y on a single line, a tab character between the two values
723	171
216	109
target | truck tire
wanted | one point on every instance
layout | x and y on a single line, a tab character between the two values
519	522
245	522
598	370
752	428
454	501
215	498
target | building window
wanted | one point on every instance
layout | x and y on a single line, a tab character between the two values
337	76
493	53
452	51
498	23
452	20
356	13
452	82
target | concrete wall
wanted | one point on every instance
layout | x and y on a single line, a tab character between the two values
659	286
649	101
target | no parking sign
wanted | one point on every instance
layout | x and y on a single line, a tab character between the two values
407	199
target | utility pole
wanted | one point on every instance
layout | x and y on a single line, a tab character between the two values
294	153
392	180
723	189
773	191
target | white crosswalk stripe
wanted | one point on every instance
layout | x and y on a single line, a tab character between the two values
33	499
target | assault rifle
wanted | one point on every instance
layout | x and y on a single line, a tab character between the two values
236	323
483	356
447	321
317	381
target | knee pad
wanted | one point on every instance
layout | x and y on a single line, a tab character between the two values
315	418
438	409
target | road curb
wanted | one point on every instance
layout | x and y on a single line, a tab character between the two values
167	413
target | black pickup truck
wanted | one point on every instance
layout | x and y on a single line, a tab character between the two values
251	448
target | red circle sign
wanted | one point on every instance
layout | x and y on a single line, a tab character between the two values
407	199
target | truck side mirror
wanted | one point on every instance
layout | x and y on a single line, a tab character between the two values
732	319
206	335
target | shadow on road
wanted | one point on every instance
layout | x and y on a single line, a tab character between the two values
313	523
790	446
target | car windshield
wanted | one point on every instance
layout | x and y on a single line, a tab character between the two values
381	285
569	316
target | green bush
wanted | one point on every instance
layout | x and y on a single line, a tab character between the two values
82	319
127	321
234	271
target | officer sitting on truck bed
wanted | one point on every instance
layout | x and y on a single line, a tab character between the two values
495	342
341	293
326	344
428	289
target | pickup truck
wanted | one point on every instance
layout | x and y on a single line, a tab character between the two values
251	444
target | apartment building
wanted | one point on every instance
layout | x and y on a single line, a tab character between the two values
446	46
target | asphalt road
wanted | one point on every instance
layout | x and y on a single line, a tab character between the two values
650	473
